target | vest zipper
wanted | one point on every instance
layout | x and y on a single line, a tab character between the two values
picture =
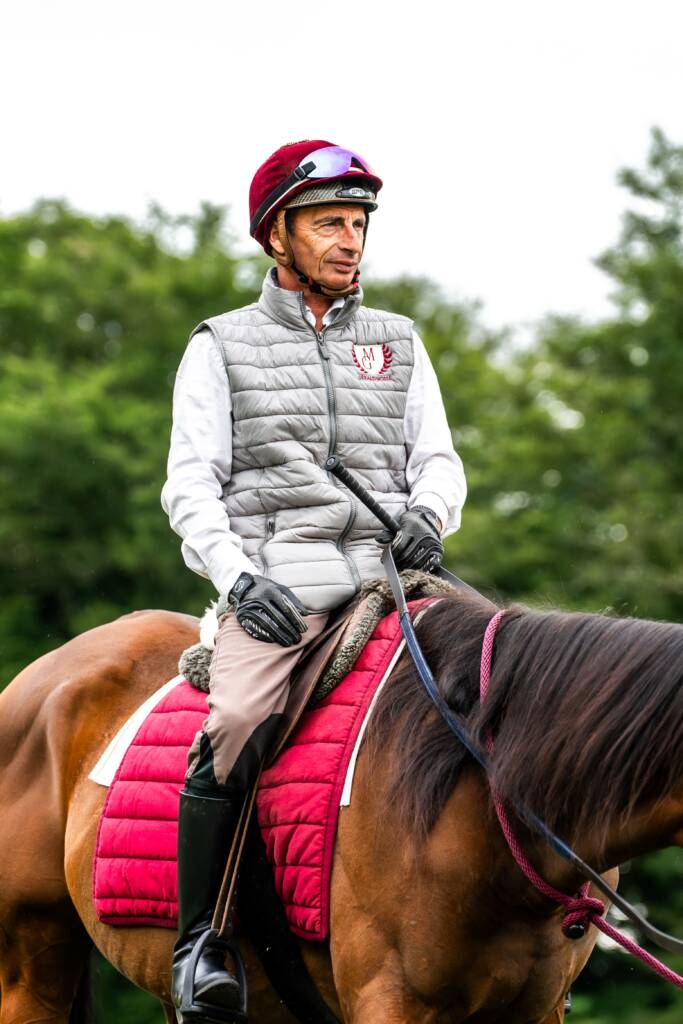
331	401
332	413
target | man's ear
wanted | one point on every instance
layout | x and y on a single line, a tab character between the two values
281	250
275	243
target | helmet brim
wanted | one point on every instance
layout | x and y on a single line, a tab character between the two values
262	233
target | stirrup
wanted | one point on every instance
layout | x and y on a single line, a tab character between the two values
568	1002
192	1010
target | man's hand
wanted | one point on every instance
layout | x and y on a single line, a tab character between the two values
418	543
267	611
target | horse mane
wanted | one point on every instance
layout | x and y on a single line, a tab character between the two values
586	711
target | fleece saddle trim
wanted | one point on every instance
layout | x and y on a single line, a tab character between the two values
297	806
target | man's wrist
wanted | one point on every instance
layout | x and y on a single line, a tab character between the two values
242	584
430	515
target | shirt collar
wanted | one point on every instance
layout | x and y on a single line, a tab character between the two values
330	316
289	308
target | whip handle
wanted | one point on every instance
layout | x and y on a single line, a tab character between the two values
334	465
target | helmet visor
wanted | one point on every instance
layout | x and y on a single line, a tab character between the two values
327	162
330	161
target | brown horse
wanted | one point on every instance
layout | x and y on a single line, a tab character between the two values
431	919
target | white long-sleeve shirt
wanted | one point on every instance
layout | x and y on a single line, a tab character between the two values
200	457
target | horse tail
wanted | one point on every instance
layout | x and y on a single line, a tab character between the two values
83	1006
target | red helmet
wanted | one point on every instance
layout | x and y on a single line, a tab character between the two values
287	173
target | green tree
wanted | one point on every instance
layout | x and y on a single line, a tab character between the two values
576	470
94	318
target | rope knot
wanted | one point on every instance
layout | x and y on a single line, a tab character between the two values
579	913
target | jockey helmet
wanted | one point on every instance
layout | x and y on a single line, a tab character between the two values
307	173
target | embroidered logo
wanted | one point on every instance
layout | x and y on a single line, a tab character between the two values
373	361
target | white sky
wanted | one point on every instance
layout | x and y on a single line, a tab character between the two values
497	125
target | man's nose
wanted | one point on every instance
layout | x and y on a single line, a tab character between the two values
349	238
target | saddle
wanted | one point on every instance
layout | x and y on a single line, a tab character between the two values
335	652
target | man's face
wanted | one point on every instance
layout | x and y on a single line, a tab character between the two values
327	242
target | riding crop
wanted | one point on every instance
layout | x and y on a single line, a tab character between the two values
335	465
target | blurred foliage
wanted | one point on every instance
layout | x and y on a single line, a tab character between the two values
572	444
94	317
117	1001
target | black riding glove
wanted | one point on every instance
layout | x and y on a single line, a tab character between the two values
267	611
417	545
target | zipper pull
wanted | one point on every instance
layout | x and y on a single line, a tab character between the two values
323	347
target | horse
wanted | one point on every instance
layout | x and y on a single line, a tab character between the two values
431	920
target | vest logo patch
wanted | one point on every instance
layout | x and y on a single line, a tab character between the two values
373	361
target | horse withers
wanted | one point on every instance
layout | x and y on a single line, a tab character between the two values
431	921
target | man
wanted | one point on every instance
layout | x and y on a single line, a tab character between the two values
263	395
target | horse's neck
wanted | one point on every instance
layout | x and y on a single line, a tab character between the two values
442	914
468	848
650	828
432	907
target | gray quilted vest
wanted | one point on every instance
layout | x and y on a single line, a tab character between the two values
297	397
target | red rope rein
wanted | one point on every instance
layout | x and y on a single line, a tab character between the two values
583	909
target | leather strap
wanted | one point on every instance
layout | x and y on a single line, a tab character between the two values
222	921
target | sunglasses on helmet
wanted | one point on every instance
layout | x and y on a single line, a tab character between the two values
328	162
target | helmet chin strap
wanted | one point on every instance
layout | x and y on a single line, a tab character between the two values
286	259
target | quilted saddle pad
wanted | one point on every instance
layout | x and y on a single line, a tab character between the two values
135	871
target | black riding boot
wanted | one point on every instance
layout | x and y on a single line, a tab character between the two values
206	827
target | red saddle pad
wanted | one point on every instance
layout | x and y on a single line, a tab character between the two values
135	871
